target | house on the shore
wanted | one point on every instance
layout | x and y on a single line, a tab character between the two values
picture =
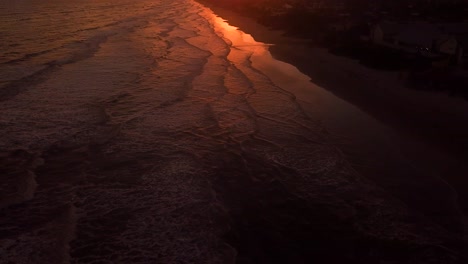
425	39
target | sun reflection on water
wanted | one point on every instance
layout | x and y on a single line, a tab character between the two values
236	36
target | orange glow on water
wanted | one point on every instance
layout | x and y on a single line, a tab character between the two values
237	37
245	47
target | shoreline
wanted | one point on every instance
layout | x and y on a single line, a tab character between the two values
424	159
435	124
371	147
333	71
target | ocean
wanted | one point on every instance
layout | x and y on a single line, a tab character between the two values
153	131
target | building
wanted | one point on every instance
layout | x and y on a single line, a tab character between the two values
429	40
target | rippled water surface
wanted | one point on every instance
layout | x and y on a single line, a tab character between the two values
154	132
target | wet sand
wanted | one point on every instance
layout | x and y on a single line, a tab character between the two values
431	122
412	143
438	118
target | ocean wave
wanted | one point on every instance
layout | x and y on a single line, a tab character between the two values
163	140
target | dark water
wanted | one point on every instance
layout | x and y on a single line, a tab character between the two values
154	132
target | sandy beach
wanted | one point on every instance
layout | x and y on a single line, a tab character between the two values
432	127
425	133
435	116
